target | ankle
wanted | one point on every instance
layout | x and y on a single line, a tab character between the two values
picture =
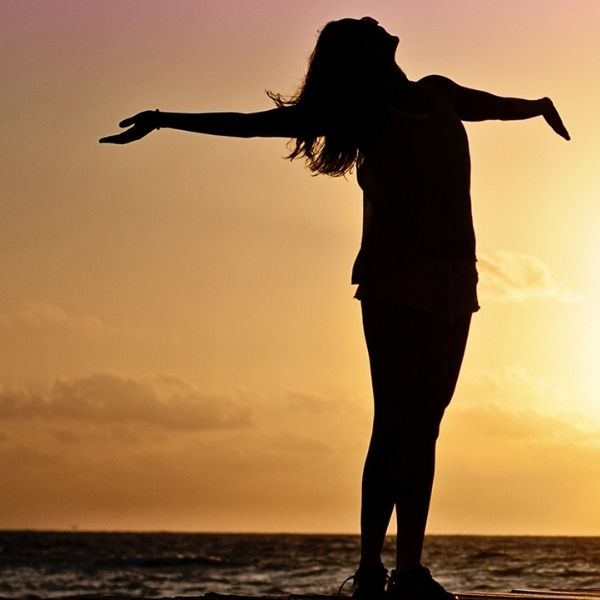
408	567
370	566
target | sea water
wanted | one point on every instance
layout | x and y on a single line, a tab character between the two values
168	564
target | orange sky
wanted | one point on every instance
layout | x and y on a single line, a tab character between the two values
181	345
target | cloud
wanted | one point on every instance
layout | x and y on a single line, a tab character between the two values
41	319
512	386
107	451
97	451
511	277
516	456
41	316
164	402
311	402
518	408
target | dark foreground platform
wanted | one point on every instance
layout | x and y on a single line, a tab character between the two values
588	594
593	594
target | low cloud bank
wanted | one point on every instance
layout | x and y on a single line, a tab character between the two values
163	402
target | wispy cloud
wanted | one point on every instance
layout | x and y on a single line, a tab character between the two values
42	316
512	277
511	438
38	319
163	402
513	405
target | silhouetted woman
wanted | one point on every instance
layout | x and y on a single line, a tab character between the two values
415	269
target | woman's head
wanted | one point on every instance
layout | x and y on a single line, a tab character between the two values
350	71
353	61
355	44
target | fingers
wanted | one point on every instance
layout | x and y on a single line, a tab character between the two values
559	127
121	138
137	118
127	122
132	120
564	133
112	139
562	130
137	132
553	119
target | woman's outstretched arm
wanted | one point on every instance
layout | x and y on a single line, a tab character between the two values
287	122
475	105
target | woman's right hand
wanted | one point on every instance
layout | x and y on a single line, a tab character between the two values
140	125
553	119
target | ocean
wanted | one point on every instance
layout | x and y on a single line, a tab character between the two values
50	564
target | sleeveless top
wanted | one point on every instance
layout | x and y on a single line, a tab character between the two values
418	241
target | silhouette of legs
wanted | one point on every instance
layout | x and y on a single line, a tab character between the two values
415	359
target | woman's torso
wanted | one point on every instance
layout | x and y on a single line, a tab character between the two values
418	240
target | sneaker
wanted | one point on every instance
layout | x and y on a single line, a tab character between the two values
416	584
368	583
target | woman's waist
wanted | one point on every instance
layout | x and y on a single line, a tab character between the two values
404	249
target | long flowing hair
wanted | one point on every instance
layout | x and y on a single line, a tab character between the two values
342	94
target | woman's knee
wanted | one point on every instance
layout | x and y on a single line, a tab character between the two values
419	419
399	442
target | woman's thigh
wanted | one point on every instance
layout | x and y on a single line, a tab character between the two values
415	359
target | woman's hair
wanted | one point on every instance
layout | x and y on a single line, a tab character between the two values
341	93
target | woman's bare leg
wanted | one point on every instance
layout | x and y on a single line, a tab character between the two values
377	504
415	358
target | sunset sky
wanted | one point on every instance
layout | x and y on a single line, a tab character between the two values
181	349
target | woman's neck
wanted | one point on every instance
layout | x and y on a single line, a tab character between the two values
406	95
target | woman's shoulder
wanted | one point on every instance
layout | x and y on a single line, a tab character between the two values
439	85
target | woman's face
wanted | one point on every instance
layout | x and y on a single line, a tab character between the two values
379	35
